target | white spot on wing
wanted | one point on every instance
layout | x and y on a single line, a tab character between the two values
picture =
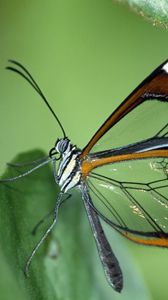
165	67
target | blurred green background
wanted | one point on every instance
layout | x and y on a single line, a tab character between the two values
87	56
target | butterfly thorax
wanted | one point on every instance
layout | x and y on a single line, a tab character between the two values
68	173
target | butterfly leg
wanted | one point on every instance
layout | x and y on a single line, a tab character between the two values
34	231
54	170
28	163
58	203
26	173
49	214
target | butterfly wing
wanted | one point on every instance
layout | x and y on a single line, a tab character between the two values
129	184
132	197
140	116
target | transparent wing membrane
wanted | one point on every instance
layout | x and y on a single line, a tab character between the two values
140	116
126	163
163	132
142	123
134	201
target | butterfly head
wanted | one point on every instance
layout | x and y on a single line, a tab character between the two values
62	146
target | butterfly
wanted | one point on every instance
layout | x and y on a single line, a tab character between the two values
122	173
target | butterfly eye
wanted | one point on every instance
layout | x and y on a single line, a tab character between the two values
62	145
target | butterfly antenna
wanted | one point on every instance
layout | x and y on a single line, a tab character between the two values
28	77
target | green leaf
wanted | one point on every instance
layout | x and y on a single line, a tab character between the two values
66	266
155	11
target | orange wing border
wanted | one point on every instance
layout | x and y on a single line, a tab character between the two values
158	239
89	164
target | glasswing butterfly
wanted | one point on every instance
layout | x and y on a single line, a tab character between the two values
122	173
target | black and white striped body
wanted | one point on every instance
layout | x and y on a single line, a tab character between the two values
68	174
